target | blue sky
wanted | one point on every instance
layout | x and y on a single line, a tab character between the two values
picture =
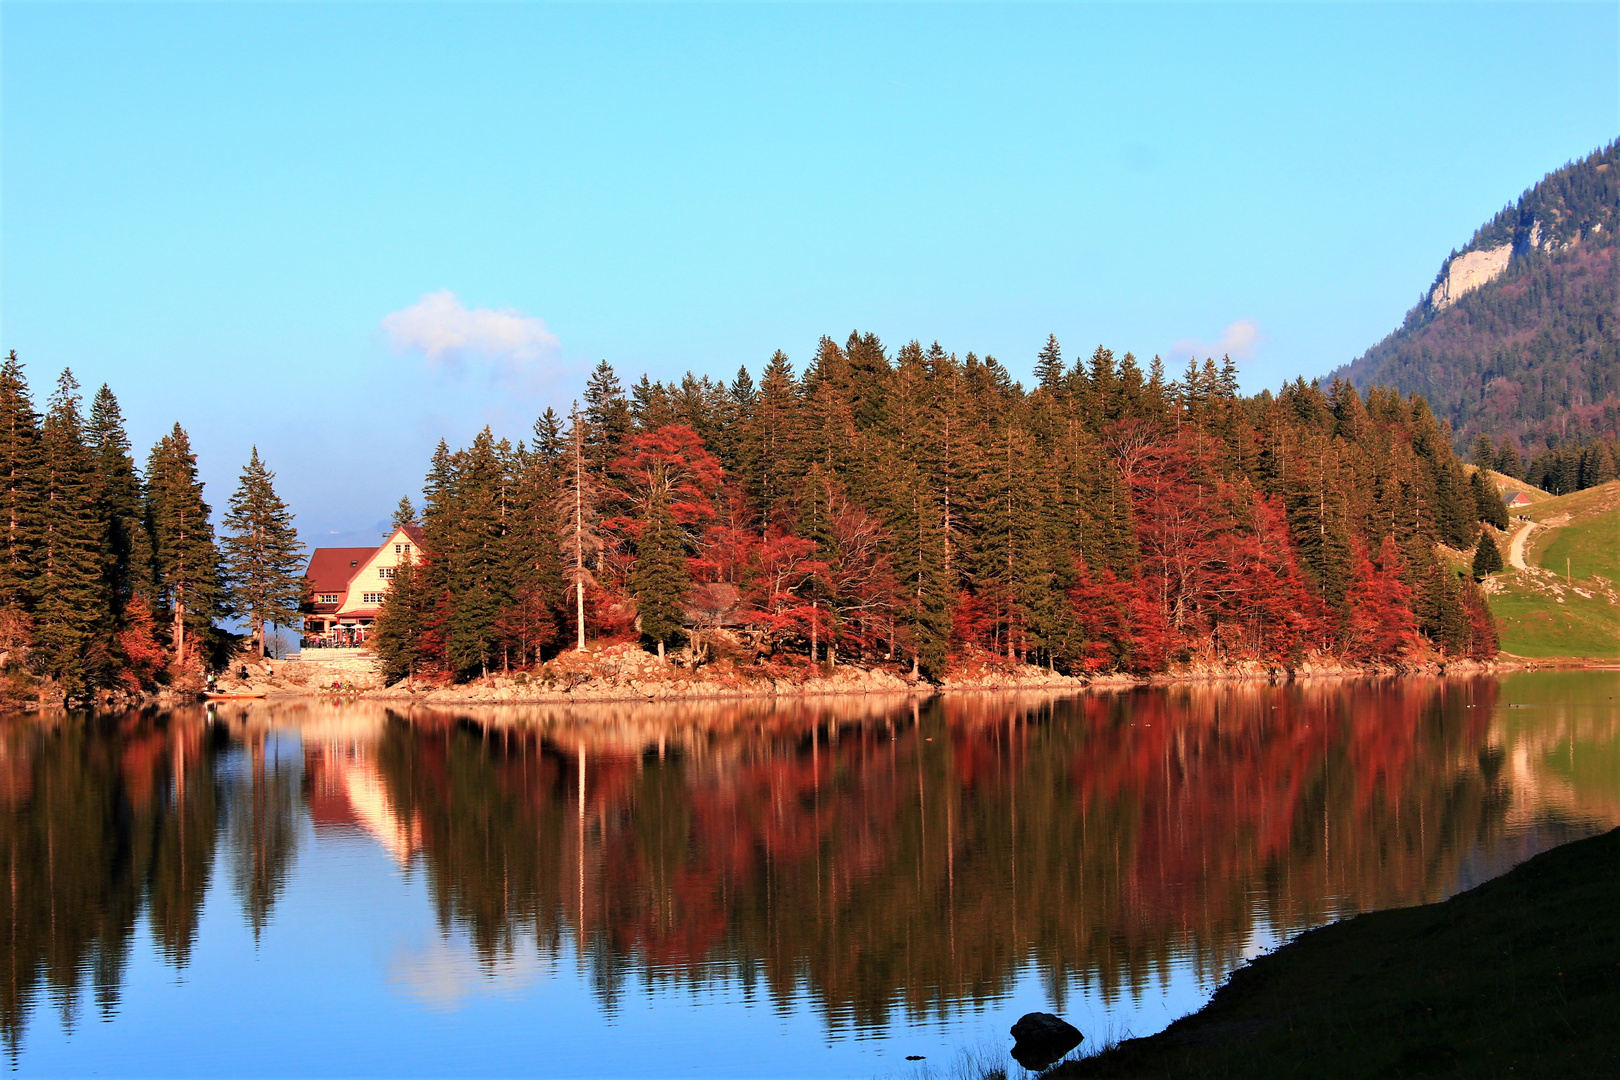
340	232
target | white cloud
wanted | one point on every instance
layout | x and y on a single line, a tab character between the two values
451	335
1240	340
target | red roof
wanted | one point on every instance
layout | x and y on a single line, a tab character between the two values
331	568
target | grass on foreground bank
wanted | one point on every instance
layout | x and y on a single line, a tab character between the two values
1519	977
1532	623
1589	539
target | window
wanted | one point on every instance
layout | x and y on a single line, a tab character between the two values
372	598
327	598
396	548
407	549
385	571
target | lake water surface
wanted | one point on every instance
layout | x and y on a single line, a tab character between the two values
803	889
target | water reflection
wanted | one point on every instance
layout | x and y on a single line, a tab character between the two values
881	861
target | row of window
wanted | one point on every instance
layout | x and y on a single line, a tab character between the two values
365	598
385	571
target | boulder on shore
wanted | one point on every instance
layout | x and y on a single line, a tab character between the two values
1041	1039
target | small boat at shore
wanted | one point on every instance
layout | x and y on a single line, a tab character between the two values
246	695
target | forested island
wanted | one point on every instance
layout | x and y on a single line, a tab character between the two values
915	512
922	510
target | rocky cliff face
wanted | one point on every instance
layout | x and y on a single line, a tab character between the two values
1468	272
1517	335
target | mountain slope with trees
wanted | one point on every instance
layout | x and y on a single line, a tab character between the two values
922	511
1530	358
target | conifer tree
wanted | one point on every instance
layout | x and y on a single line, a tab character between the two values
401	636
20	517
1508	461
550	441
478	586
119	496
404	514
1487	556
1488	504
775	438
537	592
263	557
1484	452
607	418
660	581
73	617
1049	370
185	558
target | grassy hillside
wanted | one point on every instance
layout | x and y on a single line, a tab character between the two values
1542	612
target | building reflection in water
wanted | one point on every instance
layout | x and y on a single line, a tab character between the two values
865	855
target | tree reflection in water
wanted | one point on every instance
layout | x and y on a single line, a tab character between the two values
865	855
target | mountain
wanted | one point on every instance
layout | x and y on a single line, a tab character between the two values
1518	334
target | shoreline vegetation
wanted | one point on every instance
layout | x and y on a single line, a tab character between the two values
1519	976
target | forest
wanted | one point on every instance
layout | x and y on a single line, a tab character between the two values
1564	466
111	579
922	510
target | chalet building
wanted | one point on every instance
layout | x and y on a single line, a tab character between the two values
1517	498
346	587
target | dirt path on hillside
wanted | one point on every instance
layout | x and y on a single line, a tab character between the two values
1516	547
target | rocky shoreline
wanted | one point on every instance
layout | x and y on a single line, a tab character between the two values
624	672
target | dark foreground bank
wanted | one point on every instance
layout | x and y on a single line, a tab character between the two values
1519	977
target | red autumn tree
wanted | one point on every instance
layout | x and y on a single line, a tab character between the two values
783	571
1102	611
1380	619
671	466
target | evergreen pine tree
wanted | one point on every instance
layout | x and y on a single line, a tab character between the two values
73	617
263	557
1508	461
1488	504
660	580
1487	556
1049	371
399	636
119	497
20	516
184	556
404	514
478	586
607	419
1484	452
537	591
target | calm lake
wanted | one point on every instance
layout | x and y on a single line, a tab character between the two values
806	889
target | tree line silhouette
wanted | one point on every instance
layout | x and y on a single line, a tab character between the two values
922	510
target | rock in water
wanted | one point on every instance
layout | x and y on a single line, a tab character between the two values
1041	1039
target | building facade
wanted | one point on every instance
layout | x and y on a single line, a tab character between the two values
346	587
